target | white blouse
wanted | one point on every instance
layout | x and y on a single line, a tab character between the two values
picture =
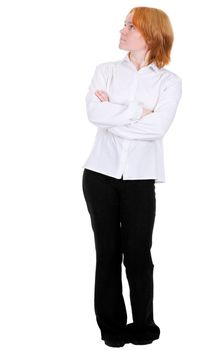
126	143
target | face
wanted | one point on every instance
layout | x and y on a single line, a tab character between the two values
131	39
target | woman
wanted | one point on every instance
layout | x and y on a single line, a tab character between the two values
132	102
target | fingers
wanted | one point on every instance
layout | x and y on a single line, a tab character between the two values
102	95
147	111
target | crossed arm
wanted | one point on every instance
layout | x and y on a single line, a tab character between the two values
133	121
108	114
103	97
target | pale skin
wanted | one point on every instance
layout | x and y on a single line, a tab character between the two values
131	40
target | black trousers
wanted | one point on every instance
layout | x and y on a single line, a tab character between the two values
122	216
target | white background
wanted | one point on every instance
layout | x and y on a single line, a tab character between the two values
49	50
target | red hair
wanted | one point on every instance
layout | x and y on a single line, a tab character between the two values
155	27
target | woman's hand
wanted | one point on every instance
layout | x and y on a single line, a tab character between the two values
146	111
102	95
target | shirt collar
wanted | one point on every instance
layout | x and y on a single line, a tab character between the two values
150	66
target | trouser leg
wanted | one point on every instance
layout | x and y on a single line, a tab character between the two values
102	201
138	208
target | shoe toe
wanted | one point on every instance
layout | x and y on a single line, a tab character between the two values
115	344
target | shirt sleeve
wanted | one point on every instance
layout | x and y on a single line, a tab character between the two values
154	125
106	114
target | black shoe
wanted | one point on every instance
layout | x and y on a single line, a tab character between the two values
115	343
132	338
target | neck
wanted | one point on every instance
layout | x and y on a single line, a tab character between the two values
139	59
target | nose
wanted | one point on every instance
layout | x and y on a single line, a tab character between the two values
123	30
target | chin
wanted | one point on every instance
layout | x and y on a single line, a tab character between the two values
122	48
